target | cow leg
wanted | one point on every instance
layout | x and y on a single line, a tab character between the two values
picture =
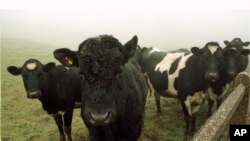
219	101
212	97
67	117
59	123
187	121
210	107
157	101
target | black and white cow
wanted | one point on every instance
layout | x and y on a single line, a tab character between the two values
237	43
199	69
235	61
162	69
233	65
115	90
57	87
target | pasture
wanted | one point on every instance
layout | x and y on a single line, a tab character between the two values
23	119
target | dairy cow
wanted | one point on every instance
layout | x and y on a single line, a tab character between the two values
235	61
58	89
114	89
161	69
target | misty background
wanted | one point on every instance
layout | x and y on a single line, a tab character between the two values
163	29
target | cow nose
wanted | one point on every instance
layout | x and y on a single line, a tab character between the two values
33	94
213	76
232	73
100	118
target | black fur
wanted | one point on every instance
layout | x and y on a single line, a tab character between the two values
239	45
194	78
57	88
114	88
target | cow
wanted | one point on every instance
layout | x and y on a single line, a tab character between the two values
238	44
57	87
198	70
161	70
114	89
232	66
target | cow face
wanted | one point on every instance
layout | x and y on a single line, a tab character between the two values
211	60
236	43
33	74
100	60
232	59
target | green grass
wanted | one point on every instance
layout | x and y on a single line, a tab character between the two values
23	119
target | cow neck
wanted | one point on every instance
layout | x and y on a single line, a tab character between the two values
44	98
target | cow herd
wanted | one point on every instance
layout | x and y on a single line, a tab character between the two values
110	81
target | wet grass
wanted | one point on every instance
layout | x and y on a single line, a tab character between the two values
23	119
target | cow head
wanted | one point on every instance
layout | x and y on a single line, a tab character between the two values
236	43
211	60
100	60
33	74
232	59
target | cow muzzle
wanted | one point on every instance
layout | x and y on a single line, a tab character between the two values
99	118
232	74
212	76
34	94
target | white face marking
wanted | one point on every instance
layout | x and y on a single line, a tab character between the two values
198	98
155	50
31	66
212	49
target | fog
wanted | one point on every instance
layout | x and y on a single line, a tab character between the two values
163	29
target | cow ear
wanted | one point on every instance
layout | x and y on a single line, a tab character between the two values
226	43
245	52
49	66
14	70
66	57
246	43
196	51
130	47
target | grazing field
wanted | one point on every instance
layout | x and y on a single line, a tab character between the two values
23	119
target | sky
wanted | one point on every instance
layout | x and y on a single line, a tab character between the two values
160	24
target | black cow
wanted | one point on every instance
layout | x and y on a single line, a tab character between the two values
57	87
114	90
232	66
237	43
162	68
199	70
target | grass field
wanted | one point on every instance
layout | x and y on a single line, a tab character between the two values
23	119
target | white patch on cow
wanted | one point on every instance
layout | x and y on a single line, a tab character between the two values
66	67
155	50
167	61
212	49
61	112
31	66
171	77
211	94
198	99
58	113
